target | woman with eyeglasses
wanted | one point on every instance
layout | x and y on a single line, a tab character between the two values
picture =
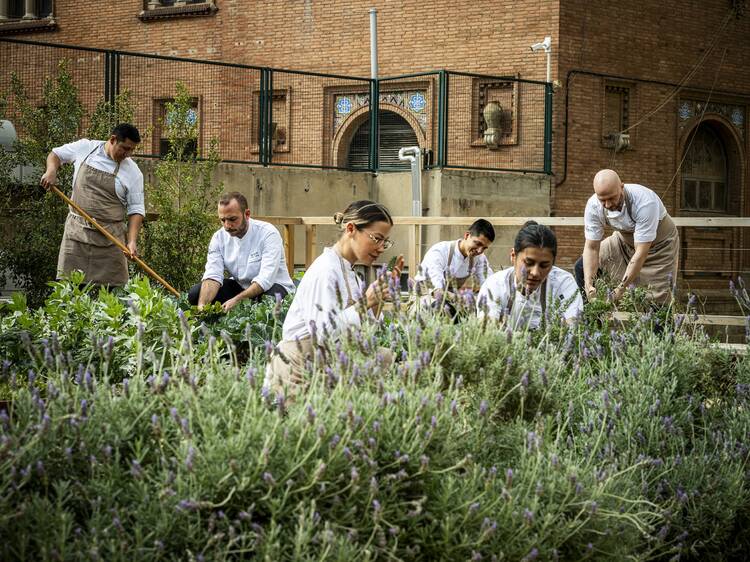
330	294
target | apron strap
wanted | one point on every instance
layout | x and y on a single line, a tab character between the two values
350	299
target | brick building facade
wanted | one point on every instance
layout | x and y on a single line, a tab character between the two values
669	73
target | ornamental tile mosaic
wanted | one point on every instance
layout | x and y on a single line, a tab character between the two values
735	114
411	101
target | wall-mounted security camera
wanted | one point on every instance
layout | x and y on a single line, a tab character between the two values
545	45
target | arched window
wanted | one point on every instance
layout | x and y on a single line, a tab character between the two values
395	133
704	172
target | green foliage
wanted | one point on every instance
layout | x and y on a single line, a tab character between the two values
185	198
29	249
137	430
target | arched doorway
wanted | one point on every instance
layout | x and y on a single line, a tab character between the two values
705	170
395	132
710	185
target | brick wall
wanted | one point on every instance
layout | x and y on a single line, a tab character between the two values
644	41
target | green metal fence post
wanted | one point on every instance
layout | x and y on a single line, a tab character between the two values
269	118
547	128
262	117
373	156
441	120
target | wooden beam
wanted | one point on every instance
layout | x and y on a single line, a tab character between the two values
289	247
705	319
311	241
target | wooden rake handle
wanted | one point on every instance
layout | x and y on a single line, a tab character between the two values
115	241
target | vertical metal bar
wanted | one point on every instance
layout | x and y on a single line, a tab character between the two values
116	76
446	106
548	128
262	118
373	159
441	125
107	79
269	121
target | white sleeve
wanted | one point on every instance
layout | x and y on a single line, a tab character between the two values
323	305
68	153
434	266
135	201
571	295
646	219
214	261
270	259
592	221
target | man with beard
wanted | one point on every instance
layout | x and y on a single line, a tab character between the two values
251	251
644	248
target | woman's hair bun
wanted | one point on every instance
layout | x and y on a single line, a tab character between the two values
530	223
338	218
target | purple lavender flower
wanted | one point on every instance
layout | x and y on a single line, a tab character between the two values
509	477
528	516
533	555
473	508
483	408
190	458
376	507
268	479
135	469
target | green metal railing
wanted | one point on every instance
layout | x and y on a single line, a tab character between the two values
278	117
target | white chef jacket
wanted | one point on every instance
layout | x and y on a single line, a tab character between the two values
435	265
647	211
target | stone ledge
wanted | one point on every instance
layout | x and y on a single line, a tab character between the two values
189	10
27	26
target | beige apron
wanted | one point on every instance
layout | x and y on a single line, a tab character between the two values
660	267
455	284
85	248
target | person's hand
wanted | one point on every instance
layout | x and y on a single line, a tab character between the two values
48	179
230	304
132	249
618	292
398	267
591	292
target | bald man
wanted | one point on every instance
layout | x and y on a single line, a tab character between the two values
644	248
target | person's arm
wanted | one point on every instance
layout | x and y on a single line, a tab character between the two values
209	288
590	266
271	252
254	290
634	267
213	277
50	175
134	227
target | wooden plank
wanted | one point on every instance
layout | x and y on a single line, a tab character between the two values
311	241
724	222
738	348
278	221
413	250
289	247
705	319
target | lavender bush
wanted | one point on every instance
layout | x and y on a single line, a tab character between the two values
476	444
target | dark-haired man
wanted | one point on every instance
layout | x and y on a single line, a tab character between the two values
108	185
251	251
455	264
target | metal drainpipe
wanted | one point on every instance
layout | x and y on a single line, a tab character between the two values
413	154
373	43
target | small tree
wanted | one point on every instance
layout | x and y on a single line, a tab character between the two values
184	196
29	248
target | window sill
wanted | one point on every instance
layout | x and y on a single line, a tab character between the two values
27	26
187	11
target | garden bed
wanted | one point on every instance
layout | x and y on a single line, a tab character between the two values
136	431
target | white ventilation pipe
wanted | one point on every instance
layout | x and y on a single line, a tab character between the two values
413	154
373	43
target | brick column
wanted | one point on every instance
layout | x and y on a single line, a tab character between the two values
3	10
30	10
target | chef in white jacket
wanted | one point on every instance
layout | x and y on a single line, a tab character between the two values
331	296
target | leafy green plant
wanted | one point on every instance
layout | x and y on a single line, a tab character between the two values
184	196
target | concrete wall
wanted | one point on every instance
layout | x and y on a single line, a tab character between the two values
310	192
